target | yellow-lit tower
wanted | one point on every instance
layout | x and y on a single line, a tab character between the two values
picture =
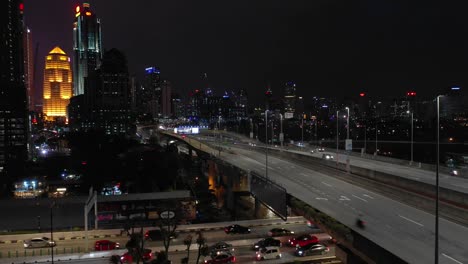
57	84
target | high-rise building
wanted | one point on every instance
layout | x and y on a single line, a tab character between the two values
108	99
148	94
57	84
289	100
87	46
13	97
166	92
29	68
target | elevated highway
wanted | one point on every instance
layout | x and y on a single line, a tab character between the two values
401	229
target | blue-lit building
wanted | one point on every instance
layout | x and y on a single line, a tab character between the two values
148	101
87	46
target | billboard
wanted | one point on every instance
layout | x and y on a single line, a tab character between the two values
269	193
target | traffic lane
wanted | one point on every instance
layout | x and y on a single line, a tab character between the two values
402	219
211	236
415	235
412	173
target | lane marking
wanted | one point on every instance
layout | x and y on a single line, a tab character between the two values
344	198
412	221
303	174
368	196
452	259
360	198
327	184
321	198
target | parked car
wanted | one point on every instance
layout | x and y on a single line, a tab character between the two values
268	253
222	257
106	245
267	242
303	240
311	249
221	247
127	257
39	242
280	232
157	234
236	229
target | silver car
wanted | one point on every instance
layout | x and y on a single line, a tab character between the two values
39	242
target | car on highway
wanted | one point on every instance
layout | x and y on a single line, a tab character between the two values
303	240
101	245
146	256
280	232
327	156
268	253
320	149
221	258
157	234
39	242
267	242
236	229
220	247
311	249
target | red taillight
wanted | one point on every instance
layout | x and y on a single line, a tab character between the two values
233	259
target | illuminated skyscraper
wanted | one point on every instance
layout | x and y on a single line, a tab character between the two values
289	100
57	84
13	100
28	68
87	46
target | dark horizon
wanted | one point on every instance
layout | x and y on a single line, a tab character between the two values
329	48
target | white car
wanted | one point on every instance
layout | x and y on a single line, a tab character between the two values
268	253
327	156
39	242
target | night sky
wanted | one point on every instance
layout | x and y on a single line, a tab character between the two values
328	47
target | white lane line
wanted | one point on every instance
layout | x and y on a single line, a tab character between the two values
303	174
321	198
344	198
412	221
368	196
360	198
452	259
327	184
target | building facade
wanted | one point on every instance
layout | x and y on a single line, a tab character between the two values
289	100
29	68
87	46
13	96
57	84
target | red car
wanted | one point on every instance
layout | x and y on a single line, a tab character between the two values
105	245
127	258
302	241
220	258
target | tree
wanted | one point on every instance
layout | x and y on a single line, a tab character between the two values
167	227
202	247
188	243
136	246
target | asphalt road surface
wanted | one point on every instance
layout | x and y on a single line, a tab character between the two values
403	230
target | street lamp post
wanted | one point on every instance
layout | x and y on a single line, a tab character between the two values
52	230
281	129
266	144
412	134
436	249
347	124
365	139
302	131
337	113
376	132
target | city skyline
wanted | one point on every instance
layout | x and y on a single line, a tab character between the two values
383	49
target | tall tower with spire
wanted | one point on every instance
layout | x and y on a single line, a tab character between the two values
87	46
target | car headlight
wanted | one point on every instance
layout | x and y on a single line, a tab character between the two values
300	252
455	172
256	246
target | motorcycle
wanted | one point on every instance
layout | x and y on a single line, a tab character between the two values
360	223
